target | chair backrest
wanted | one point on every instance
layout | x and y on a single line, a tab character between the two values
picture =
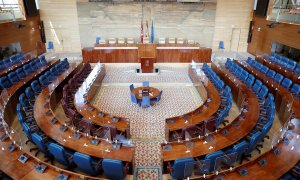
295	89
263	92
43	60
264	69
4	82
131	87
291	65
23	100
146	83
254	140
13	78
146	101
266	128
36	87
178	167
271	73
59	154
86	164
159	96
278	78
250	80
221	45
39	142
20	73
297	69
113	169
27	69
257	85
286	83
133	98
50	45
98	40
29	93
212	157
240	148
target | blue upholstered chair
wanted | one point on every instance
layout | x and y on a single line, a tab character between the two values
278	78
61	154
20	73
297	69
177	168
131	87
114	169
25	103
41	142
212	157
87	164
43	60
250	80
257	86
146	83
98	40
13	78
146	101
50	45
221	45
262	93
134	99
240	149
37	89
286	83
253	141
5	83
158	97
27	69
271	73
295	90
30	95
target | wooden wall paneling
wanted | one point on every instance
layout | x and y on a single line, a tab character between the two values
263	36
28	35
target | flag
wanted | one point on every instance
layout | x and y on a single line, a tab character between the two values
142	32
152	33
147	30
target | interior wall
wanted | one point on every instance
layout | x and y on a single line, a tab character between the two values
115	20
232	24
28	34
263	36
61	24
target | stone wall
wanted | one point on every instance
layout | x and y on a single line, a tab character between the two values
116	20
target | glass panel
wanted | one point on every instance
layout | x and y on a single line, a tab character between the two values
286	11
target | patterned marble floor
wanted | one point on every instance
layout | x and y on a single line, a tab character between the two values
147	123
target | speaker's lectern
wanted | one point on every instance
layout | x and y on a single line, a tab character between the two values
147	64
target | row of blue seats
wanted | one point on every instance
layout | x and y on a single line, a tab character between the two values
265	99
10	61
293	174
285	62
224	92
285	82
113	169
15	76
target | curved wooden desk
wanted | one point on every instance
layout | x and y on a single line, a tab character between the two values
276	165
237	130
282	96
44	115
285	72
11	166
18	88
82	100
153	92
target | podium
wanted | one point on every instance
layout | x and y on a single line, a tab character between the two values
147	64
